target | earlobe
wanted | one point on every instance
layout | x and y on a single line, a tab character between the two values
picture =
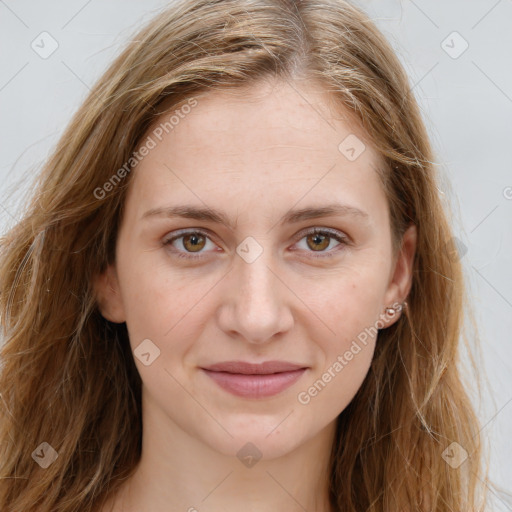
401	281
108	296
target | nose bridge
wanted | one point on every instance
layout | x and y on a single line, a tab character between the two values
257	280
258	307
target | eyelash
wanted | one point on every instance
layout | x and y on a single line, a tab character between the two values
315	231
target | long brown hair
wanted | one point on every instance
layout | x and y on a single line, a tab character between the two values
68	378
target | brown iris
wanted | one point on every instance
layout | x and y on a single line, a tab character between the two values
323	240
194	242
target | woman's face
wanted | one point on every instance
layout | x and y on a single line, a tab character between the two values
238	276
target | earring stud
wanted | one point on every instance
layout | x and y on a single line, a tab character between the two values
392	310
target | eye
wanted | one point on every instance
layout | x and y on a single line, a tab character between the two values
190	244
320	239
191	241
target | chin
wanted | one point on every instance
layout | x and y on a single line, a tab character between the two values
269	437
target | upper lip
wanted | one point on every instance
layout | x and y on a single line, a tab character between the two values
265	368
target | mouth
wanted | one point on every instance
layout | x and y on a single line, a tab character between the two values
249	380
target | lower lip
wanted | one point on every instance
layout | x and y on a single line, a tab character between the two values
255	386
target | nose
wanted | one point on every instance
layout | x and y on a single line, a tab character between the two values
256	301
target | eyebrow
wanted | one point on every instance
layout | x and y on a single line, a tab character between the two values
219	217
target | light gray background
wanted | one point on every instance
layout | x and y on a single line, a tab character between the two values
466	103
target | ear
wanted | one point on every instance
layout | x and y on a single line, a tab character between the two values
402	274
108	296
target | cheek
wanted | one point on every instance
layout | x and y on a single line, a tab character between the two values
348	301
143	296
161	304
350	306
349	310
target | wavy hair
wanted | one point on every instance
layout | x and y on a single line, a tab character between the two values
68	377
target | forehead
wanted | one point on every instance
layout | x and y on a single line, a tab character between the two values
277	118
276	140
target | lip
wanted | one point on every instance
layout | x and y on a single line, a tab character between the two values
242	367
250	380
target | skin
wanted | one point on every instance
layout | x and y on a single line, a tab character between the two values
255	156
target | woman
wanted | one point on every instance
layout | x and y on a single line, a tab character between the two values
233	286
